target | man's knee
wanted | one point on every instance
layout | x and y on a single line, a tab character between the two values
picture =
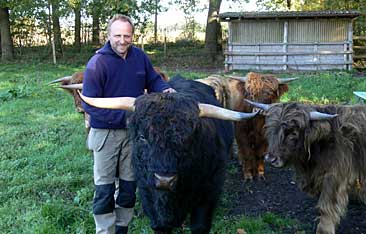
104	199
127	194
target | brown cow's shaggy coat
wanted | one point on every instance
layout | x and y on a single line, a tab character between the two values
249	134
329	156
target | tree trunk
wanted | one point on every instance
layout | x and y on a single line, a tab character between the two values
6	40
49	28
95	29
289	4
156	22
77	39
56	29
213	29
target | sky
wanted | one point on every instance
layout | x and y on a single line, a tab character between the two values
174	16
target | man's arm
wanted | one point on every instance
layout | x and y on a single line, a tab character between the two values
93	87
155	82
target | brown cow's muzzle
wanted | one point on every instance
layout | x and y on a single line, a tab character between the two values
165	182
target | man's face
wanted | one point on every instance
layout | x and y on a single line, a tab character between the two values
120	37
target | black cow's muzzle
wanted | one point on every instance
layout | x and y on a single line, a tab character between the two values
273	160
165	182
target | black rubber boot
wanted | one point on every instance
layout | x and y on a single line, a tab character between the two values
121	230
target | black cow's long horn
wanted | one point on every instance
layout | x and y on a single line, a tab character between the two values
259	105
120	103
211	111
66	78
286	80
72	86
315	115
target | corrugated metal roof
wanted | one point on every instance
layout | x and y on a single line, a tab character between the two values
228	16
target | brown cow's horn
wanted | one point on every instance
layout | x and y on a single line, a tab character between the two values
207	110
262	106
315	115
66	78
241	78
120	103
72	86
286	80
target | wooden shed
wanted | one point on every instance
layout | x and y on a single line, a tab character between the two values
289	40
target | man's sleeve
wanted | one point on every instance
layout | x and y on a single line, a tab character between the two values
155	82
93	85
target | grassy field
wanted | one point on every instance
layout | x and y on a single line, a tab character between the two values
46	171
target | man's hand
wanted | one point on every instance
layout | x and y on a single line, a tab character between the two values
169	90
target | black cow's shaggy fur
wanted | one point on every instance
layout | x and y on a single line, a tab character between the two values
329	156
170	138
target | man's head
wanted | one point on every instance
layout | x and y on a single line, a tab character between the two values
120	32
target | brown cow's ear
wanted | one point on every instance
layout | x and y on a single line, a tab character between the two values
282	88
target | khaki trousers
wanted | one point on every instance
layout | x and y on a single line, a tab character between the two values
112	163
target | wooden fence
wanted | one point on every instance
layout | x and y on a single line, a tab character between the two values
289	56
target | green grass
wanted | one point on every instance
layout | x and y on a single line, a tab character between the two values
46	171
325	88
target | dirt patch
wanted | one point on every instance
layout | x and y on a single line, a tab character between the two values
279	195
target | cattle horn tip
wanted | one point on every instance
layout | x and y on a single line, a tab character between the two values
119	103
65	78
315	115
287	80
262	106
71	86
240	78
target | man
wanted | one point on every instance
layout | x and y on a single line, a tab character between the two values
117	69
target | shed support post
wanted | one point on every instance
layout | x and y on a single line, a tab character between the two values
350	45
285	41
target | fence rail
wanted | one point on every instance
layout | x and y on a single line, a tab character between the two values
289	55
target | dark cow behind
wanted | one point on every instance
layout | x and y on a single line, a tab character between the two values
327	147
178	155
230	92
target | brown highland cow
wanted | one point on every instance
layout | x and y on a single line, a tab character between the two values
327	147
231	92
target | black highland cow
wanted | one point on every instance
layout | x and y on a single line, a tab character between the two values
178	156
327	147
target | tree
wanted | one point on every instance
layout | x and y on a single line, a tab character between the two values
76	6
139	10
190	8
360	25
213	35
55	14
6	40
276	5
95	12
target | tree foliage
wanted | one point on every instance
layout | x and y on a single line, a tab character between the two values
40	22
318	5
360	23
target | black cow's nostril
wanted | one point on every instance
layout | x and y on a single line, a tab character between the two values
165	182
267	157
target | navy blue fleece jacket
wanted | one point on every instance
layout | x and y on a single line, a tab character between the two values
109	75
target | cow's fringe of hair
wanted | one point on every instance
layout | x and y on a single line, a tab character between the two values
257	82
